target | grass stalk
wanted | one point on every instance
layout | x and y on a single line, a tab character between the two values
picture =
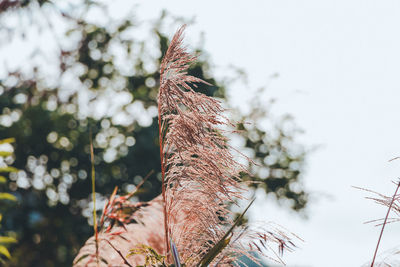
94	199
160	136
384	224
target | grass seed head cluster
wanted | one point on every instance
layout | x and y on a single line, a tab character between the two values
190	224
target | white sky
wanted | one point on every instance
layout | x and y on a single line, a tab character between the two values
339	76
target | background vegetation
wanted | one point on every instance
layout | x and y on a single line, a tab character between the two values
85	75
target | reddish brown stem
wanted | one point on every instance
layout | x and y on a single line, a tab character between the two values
160	136
119	253
384	223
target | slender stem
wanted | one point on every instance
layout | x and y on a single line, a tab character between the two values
94	198
384	223
119	253
160	136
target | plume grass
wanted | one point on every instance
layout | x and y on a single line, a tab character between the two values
200	175
201	179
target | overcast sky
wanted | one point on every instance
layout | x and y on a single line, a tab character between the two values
338	63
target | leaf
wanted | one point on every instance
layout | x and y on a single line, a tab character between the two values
104	260
81	258
8	196
7	141
8	169
5	153
7	239
223	242
3	179
214	251
4	251
151	255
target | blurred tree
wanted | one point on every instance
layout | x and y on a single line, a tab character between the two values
277	156
72	68
6	199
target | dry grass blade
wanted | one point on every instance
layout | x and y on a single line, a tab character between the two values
393	159
393	205
384	223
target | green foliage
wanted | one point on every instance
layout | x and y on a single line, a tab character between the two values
5	241
152	258
279	158
50	113
7	141
8	169
7	196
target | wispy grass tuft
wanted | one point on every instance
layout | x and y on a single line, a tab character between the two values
200	175
191	223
